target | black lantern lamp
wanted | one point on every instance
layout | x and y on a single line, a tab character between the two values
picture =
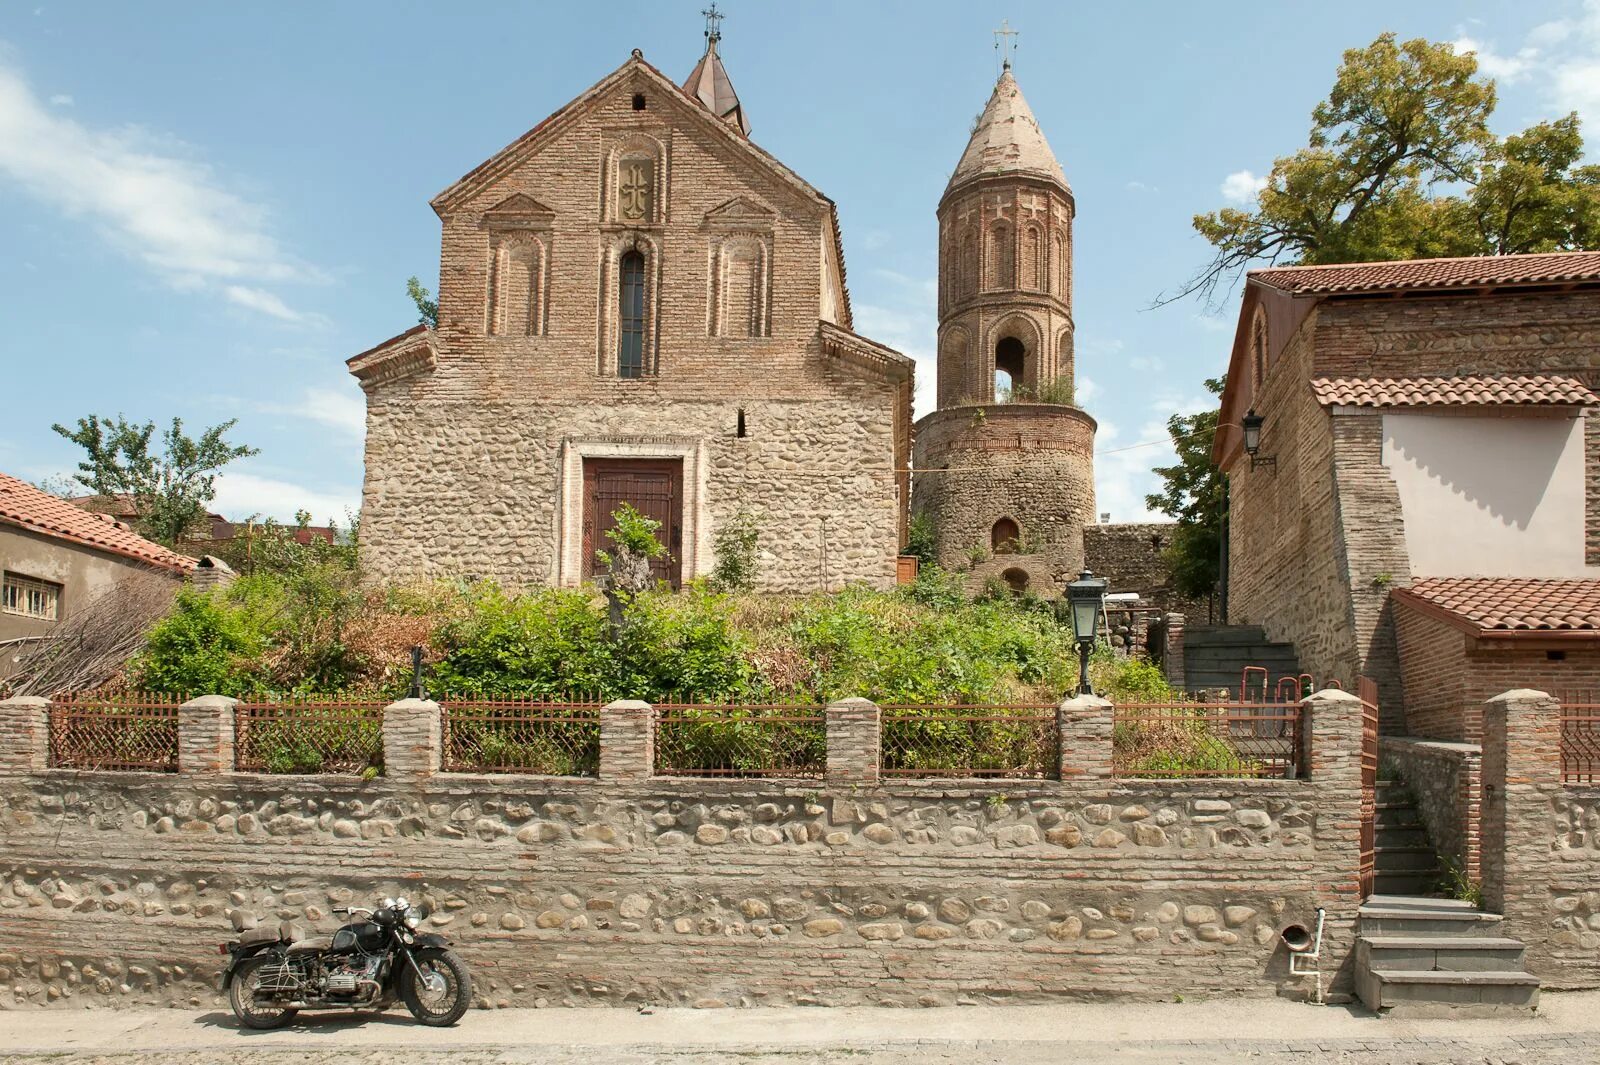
1251	423
1086	597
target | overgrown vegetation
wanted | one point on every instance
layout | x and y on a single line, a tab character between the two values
1455	883
1059	390
427	306
735	553
1195	493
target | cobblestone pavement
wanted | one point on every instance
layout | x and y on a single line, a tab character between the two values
1565	1032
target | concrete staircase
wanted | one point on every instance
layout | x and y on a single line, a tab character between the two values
1428	957
1407	864
1215	656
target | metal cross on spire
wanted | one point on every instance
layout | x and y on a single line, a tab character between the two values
713	23
1005	43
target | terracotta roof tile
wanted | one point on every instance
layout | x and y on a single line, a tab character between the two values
1466	390
23	505
1476	271
1494	605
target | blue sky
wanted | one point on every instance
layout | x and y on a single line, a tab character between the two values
206	208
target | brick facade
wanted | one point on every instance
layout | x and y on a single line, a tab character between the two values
478	431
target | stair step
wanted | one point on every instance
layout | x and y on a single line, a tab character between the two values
1410	883
1401	836
1416	920
1440	953
1413	902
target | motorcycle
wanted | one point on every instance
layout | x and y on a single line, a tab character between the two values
272	974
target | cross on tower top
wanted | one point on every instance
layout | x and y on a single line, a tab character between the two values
1005	42
713	23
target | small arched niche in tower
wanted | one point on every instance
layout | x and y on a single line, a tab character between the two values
1005	537
1016	579
1010	364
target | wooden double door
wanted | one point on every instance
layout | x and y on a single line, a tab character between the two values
654	487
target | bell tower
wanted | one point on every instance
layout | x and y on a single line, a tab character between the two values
1004	468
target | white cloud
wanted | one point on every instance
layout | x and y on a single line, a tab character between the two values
61	99
1504	68
343	409
1139	186
906	319
1213	323
239	495
268	303
1124	468
1085	389
1242	187
149	197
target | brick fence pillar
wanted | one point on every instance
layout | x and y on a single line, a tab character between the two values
24	734
412	746
1521	769
1172	653
205	735
1083	725
627	740
855	741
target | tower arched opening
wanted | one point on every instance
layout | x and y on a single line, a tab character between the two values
1016	579
1010	365
1005	536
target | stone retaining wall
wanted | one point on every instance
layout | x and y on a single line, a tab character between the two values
1447	781
114	887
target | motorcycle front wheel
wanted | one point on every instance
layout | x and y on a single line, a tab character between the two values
244	992
441	995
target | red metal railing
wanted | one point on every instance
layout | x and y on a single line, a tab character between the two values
124	731
1175	740
735	740
535	736
1005	741
306	734
1367	872
1580	738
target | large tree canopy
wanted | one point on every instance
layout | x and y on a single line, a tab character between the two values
1194	493
1401	164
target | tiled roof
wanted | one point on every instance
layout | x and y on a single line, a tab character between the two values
1007	139
1500	605
1473	272
23	505
1466	390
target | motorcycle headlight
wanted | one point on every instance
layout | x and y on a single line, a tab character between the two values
412	920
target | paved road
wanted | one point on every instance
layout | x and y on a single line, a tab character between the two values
1565	1032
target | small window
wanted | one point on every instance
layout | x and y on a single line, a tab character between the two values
630	324
638	101
30	598
741	430
1004	537
1555	656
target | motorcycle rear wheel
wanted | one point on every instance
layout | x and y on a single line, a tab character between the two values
242	996
439	1007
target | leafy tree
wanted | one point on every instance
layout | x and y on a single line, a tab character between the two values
922	541
734	550
1401	164
427	306
1194	494
170	487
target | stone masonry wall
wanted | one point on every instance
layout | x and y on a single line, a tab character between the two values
1447	781
114	887
1541	841
1130	556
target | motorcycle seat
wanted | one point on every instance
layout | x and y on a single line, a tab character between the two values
307	946
258	935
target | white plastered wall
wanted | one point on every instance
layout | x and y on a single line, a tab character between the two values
1489	496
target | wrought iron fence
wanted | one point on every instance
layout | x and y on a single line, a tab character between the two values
521	736
735	740
128	731
1174	740
291	734
1580	738
1019	741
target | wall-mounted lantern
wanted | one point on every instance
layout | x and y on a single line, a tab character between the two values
1252	423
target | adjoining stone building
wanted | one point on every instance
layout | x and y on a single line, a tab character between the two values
637	304
1005	465
1424	424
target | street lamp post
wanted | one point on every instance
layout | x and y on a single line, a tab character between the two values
1086	597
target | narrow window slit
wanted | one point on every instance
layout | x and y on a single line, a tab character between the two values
740	431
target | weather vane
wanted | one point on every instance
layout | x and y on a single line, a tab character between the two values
1006	48
713	22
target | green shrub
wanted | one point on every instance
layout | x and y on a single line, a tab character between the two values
734	550
204	646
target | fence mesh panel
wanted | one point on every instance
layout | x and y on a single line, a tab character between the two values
307	735
131	731
533	736
970	741
1580	738
1177	740
768	740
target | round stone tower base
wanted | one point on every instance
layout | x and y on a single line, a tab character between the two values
1009	488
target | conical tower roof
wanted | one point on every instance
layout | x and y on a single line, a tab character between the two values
710	84
1007	140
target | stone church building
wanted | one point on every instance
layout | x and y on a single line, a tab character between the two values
637	304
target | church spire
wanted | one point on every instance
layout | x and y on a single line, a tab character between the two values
1006	139
709	83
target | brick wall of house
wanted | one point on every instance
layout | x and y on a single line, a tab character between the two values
1436	678
463	471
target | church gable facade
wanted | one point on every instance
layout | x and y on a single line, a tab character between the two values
636	305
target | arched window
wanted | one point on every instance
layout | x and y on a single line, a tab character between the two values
1016	580
1002	257
969	264
1032	259
1005	537
630	316
1258	347
1058	282
515	282
1010	361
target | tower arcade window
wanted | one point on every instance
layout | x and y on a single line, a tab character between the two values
1010	358
630	316
1005	536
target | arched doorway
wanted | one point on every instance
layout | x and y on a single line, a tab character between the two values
1010	358
1016	579
1005	537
